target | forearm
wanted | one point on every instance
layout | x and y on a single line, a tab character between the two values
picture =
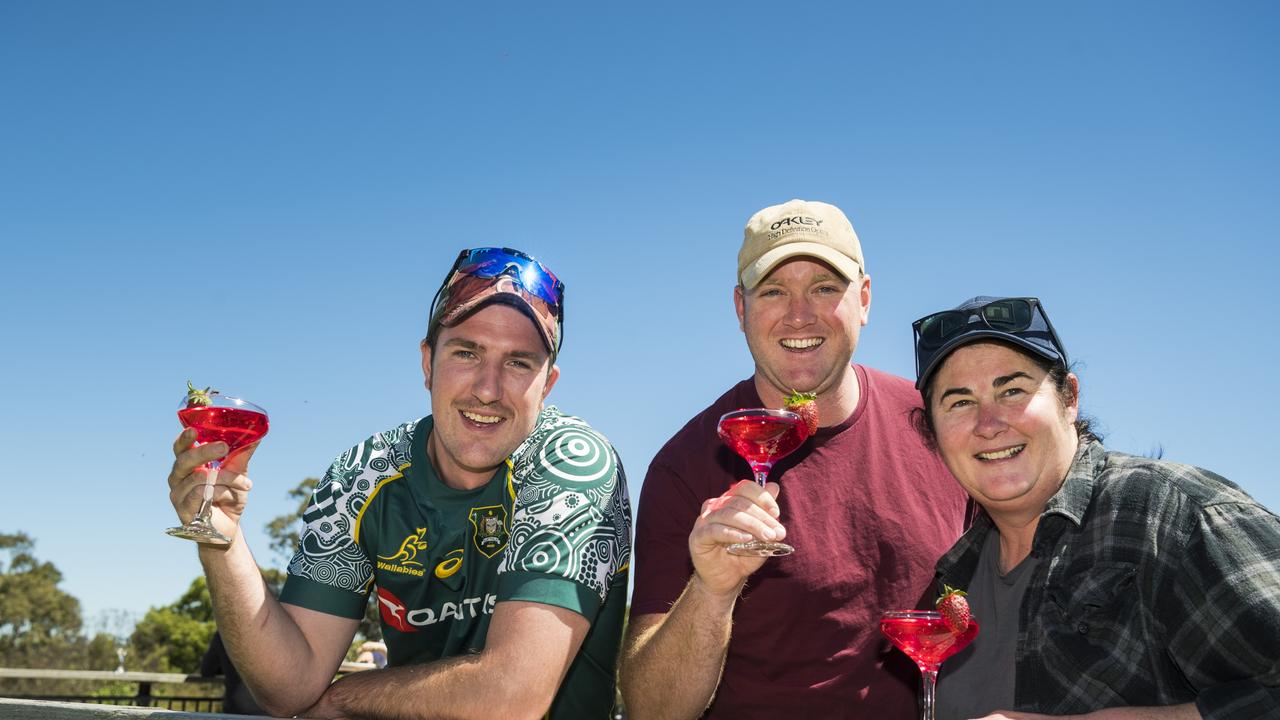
672	669
265	644
456	688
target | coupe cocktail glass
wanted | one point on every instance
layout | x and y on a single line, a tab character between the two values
762	437
233	421
925	638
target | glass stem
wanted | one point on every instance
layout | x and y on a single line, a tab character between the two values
205	516
761	473
928	689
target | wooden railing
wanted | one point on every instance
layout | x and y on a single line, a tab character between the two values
143	704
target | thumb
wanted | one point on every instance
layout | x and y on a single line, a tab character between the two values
773	489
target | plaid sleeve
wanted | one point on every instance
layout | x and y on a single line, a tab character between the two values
1224	621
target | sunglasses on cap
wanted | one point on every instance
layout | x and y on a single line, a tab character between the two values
1021	321
482	275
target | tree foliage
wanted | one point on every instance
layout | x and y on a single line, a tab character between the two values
174	637
40	624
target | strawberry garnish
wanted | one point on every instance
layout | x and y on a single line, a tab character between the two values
954	608
198	398
806	406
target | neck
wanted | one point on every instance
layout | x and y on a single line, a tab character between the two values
835	404
1016	537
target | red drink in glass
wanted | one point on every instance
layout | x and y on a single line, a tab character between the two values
216	417
234	426
762	437
926	639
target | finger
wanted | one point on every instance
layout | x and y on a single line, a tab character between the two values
190	460
719	534
184	441
765	497
742	515
724	508
231	490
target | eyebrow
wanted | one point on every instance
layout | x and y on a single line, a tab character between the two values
473	345
998	382
1006	379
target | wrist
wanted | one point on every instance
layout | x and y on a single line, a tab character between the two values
718	597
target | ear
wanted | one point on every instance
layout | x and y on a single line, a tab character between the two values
864	297
739	305
1072	410
426	365
552	376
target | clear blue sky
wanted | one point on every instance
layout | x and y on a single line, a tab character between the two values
264	196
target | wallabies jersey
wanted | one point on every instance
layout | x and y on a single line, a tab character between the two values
552	526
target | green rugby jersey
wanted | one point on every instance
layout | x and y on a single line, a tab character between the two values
553	526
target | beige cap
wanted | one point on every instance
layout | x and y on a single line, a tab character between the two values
798	227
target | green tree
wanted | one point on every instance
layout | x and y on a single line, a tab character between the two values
174	637
40	624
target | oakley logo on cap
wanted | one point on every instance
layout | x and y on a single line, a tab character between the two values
797	220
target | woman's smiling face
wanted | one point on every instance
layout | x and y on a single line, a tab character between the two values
1002	428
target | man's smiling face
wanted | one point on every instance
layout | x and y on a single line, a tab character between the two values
488	376
802	324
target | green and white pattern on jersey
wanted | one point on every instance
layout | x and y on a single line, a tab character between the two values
569	509
327	553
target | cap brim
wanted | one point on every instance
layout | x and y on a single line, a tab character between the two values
951	345
758	270
516	300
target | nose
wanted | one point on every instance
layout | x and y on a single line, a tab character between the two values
799	310
487	383
989	422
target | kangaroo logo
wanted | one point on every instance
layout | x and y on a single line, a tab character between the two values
409	549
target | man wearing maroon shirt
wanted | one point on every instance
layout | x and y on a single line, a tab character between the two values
866	505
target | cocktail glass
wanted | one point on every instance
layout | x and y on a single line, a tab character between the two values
762	437
925	638
233	421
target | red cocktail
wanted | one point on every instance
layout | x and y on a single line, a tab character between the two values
762	437
926	639
216	417
235	426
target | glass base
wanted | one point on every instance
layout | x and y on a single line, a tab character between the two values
200	532
757	548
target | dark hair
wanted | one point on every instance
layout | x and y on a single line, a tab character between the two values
922	420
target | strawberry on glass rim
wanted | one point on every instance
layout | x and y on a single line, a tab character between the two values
929	637
216	418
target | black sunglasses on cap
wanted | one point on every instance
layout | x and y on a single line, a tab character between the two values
1021	321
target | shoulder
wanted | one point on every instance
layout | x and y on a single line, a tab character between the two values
382	454
888	388
1132	480
564	449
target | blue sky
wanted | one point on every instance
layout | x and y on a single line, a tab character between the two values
264	197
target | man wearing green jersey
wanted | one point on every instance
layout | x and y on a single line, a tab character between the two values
494	534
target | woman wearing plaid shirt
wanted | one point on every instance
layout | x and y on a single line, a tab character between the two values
1105	585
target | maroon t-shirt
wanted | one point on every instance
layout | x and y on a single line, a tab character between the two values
868	508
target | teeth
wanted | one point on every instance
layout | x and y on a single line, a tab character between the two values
482	419
801	344
1001	454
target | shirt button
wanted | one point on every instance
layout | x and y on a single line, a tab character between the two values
1083	628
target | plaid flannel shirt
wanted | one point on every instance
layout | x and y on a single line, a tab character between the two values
1158	584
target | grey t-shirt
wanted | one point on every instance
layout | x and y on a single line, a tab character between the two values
979	679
